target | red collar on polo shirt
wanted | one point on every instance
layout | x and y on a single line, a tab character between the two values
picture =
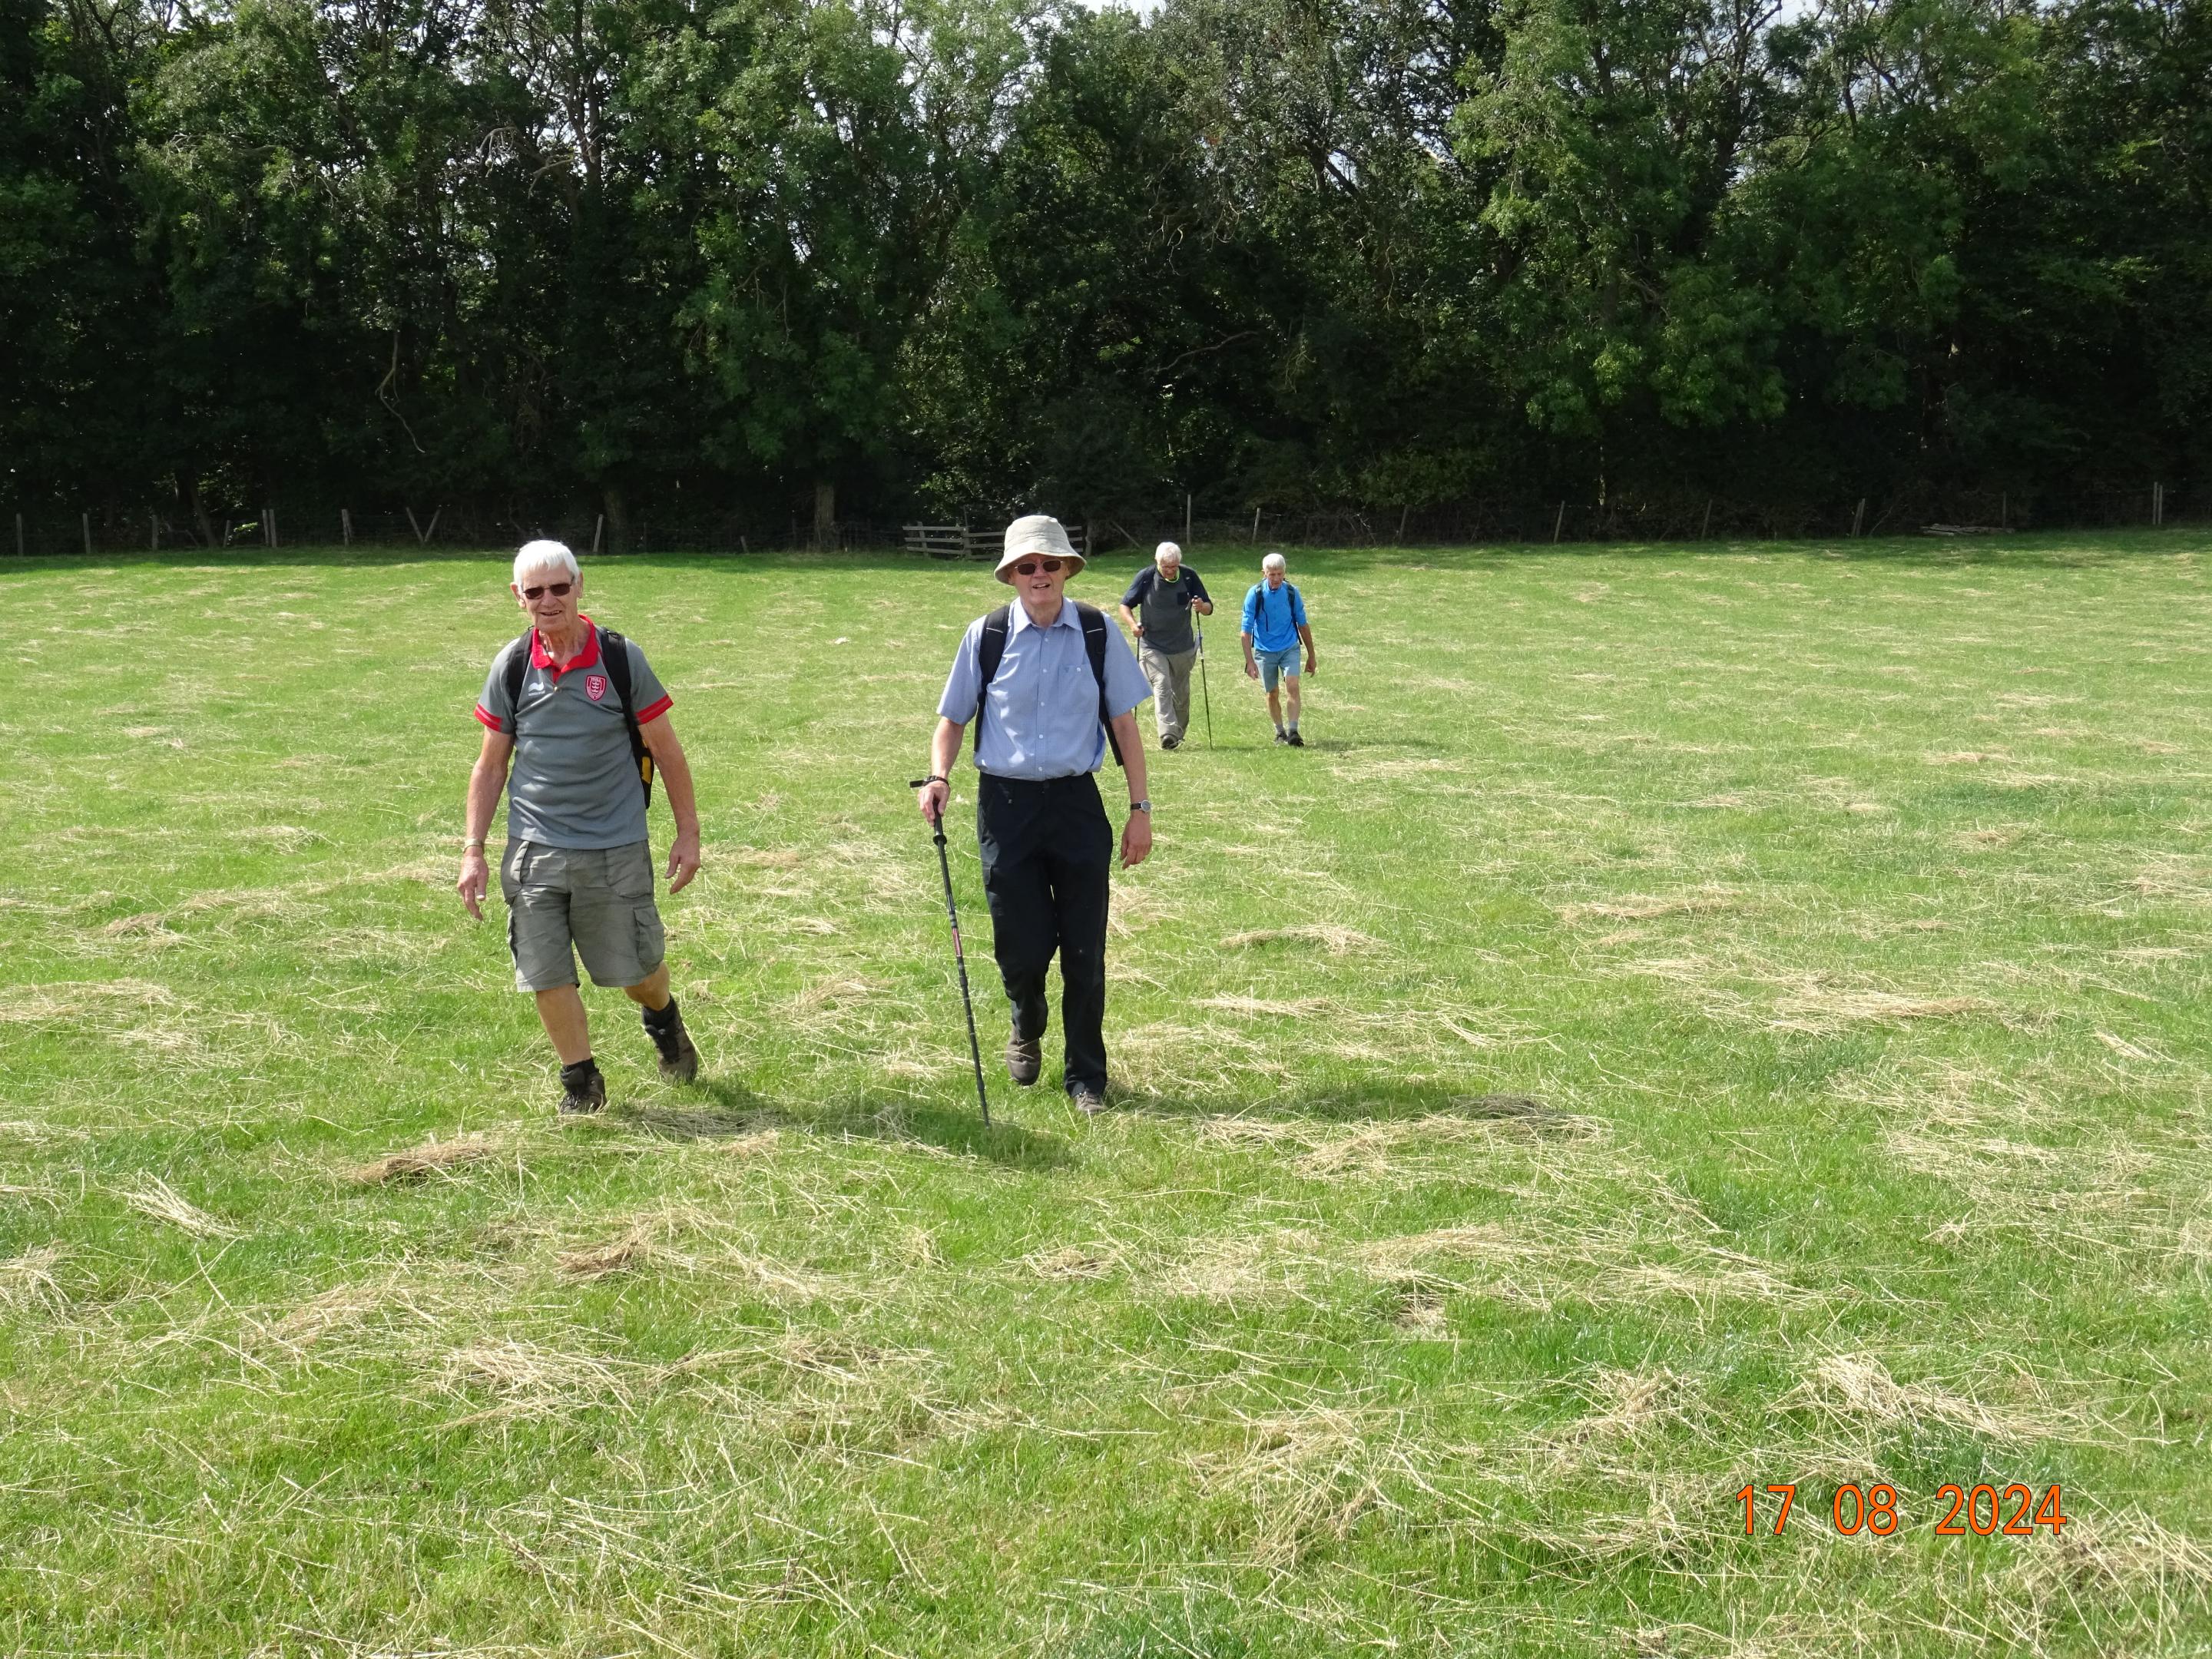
539	657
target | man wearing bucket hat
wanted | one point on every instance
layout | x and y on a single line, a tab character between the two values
1050	685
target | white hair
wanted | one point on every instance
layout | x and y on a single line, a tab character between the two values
1273	562
545	556
1166	550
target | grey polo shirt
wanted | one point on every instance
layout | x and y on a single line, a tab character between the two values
573	783
1043	706
1165	607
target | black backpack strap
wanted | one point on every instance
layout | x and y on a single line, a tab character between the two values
1094	643
518	670
991	648
614	652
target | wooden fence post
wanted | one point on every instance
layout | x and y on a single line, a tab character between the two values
1558	523
1705	529
153	532
84	522
2004	509
19	535
1186	521
596	530
345	526
1255	526
268	514
1858	518
1402	513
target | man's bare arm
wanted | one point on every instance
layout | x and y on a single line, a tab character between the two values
1137	833
486	780
944	750
675	773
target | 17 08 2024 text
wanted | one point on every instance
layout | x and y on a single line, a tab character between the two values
1980	1510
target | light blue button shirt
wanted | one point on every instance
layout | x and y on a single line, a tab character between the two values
1042	721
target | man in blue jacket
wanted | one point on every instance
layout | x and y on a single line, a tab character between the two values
1274	625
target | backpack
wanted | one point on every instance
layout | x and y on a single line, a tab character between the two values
614	652
991	650
1296	600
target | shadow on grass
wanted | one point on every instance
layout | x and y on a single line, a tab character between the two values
736	1110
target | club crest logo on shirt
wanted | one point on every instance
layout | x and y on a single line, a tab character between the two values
595	685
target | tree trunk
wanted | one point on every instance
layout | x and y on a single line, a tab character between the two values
826	513
617	518
188	484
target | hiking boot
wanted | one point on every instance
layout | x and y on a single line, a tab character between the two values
1170	743
1294	740
679	1059
1024	1059
1282	737
1088	1098
582	1095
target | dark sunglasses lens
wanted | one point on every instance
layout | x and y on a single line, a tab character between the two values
558	590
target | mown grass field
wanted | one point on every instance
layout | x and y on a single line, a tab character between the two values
1691	1018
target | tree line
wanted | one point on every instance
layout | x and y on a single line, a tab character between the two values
817	258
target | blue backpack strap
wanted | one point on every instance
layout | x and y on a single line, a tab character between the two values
1094	645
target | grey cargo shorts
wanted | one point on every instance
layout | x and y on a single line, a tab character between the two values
599	900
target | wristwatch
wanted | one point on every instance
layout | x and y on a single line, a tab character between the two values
1140	806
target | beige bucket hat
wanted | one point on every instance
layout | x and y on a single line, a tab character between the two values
1038	534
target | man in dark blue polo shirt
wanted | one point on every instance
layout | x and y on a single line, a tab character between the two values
1040	732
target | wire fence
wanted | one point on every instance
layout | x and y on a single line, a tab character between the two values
1921	510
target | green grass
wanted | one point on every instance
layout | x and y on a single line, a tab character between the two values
1691	1018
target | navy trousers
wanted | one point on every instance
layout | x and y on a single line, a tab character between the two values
1047	848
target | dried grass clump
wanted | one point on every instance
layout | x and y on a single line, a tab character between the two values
1628	1406
1308	1476
1336	940
1673	1529
529	1380
431	1157
1602	1266
1856	1390
597	1261
1649	909
1825	1011
340	1307
154	1197
28	1280
1257	1267
2125	1557
1075	1261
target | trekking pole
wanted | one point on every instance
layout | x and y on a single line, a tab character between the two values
1204	692
959	957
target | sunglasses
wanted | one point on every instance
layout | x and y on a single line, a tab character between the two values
558	590
1031	567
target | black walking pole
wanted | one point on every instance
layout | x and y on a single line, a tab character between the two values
959	957
1203	691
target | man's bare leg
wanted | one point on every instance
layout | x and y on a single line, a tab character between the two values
1294	683
1275	708
561	1011
652	991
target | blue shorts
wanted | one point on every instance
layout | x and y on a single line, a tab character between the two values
1274	665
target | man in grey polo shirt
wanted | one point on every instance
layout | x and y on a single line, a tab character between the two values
1163	598
578	874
